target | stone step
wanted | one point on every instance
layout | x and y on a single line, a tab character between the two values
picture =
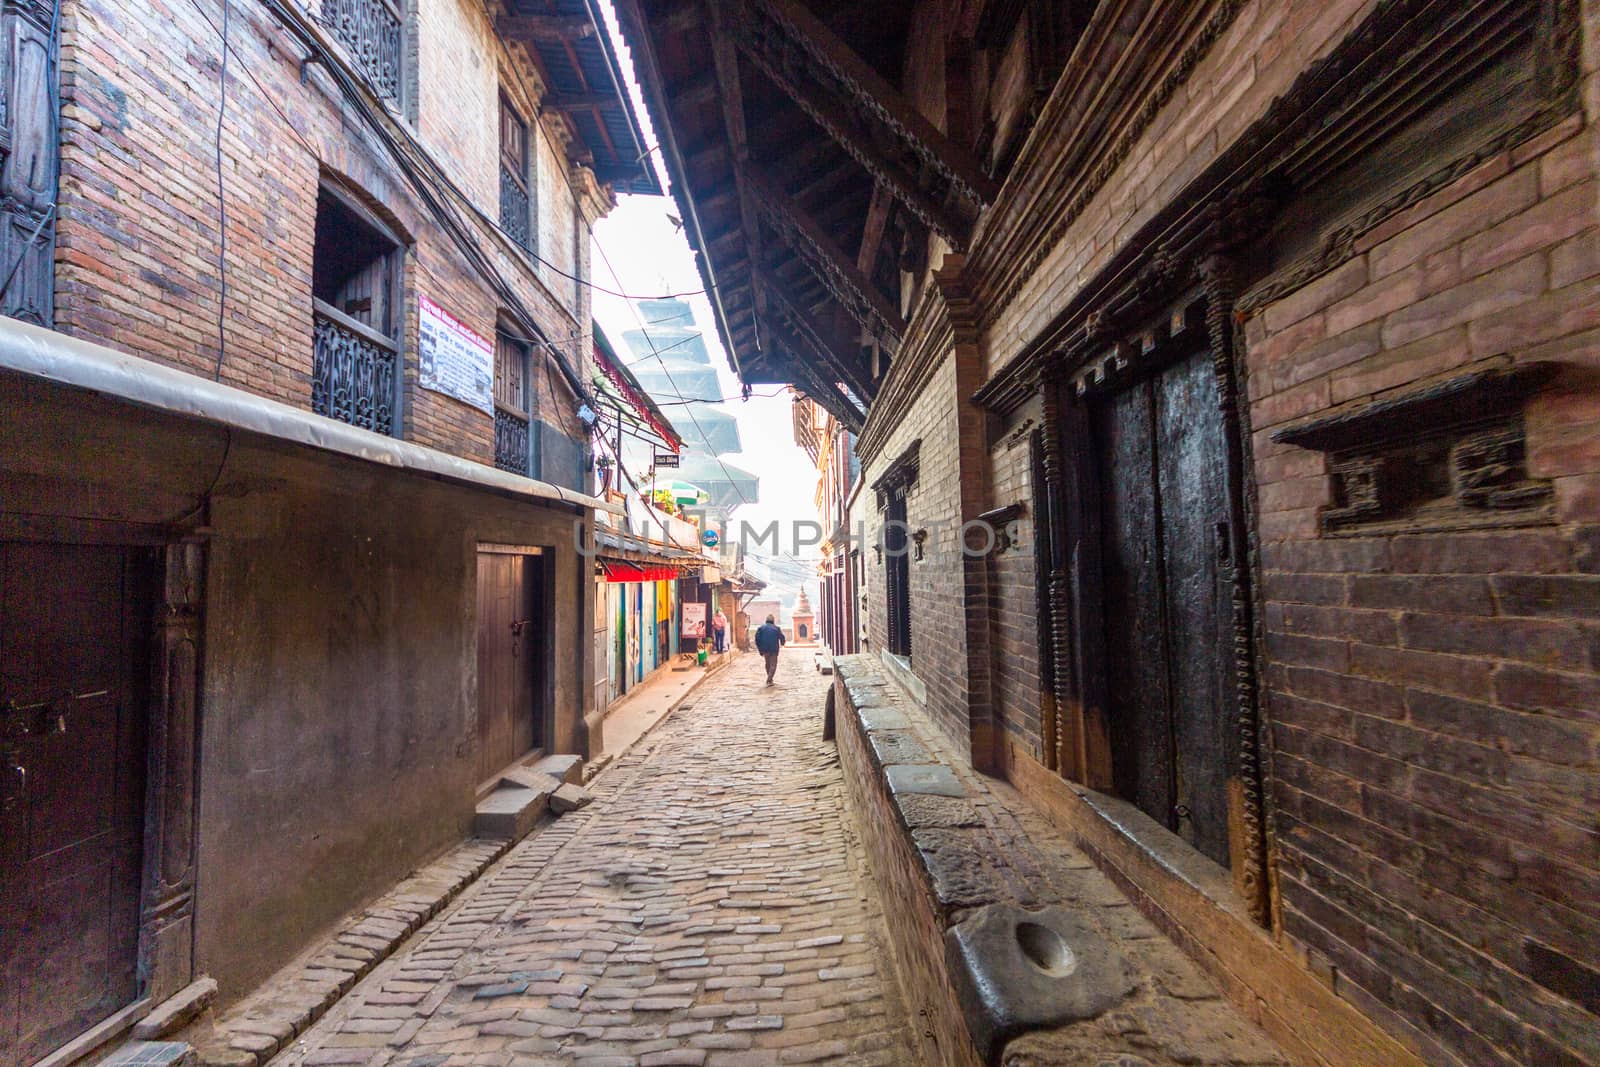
177	1011
565	768
510	811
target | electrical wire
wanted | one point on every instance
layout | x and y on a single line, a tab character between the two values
222	202
704	439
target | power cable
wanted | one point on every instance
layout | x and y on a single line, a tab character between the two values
704	439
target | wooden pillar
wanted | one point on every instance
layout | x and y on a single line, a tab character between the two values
167	918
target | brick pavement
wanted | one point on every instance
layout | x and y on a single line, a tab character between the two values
710	907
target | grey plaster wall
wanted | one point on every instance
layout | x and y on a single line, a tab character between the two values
338	706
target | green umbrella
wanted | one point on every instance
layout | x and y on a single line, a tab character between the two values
682	492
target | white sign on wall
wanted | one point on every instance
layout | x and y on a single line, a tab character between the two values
694	619
452	359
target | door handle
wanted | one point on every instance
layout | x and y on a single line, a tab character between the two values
1225	543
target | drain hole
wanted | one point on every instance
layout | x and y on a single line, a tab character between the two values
1046	949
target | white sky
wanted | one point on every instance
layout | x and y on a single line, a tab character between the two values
639	251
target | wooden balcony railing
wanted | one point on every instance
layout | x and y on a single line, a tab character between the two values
371	31
352	371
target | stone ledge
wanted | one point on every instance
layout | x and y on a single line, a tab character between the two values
1012	946
251	1032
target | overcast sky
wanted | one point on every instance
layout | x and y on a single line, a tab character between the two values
640	251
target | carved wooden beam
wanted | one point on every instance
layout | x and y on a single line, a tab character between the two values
725	69
698	156
857	140
577	101
872	230
835	270
697	91
803	326
823	392
872	91
545	27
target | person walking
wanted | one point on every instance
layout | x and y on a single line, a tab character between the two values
719	630
769	640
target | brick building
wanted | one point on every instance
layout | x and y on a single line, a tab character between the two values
832	448
287	501
1262	339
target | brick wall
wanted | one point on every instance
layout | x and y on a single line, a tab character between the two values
138	236
1266	46
938	626
1014	625
1430	696
1433	696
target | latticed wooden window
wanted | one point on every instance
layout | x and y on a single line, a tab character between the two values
516	198
373	32
513	390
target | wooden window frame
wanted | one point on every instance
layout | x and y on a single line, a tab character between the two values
521	168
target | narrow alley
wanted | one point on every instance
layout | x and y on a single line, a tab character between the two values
709	907
1161	439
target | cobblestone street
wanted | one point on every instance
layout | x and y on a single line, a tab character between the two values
708	908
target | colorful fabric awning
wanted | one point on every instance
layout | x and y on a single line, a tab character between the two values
617	571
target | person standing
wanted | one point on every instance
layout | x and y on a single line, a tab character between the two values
769	640
719	630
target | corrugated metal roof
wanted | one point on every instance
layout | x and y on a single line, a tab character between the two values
588	67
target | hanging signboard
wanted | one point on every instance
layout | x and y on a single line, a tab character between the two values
452	359
694	618
667	459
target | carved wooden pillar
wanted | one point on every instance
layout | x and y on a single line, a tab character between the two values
1250	869
1061	755
167	923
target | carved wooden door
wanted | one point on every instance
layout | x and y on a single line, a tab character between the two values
1167	544
510	652
74	665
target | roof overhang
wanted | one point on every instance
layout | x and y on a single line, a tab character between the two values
68	361
585	83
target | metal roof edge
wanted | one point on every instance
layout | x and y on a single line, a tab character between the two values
54	357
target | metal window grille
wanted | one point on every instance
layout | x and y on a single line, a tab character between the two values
512	396
352	372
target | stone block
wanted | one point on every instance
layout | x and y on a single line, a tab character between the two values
934	779
154	1053
570	798
564	768
530	778
897	746
1015	971
509	812
883	719
177	1011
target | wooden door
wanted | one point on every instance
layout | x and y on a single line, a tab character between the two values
1167	537
74	664
511	646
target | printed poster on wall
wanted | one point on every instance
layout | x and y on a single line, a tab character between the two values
452	359
694	618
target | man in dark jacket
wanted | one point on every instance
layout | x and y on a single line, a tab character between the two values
769	639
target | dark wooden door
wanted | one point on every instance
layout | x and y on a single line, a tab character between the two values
511	641
1165	523
74	660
